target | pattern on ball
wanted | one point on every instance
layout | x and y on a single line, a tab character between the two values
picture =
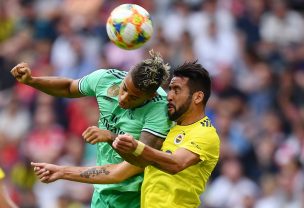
129	26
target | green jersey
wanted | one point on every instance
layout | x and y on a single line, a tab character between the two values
150	117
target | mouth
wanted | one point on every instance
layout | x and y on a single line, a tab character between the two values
171	107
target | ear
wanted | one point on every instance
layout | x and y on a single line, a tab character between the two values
198	97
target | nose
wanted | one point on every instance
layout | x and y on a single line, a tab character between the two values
169	96
123	97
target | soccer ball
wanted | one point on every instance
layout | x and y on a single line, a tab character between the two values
129	26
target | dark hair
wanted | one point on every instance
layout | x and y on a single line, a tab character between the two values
149	74
199	79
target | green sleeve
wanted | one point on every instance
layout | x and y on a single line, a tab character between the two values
156	121
87	85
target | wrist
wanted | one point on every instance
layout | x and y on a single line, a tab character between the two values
139	149
110	136
63	172
30	81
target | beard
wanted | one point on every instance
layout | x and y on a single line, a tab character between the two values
178	112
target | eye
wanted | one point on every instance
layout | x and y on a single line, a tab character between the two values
177	90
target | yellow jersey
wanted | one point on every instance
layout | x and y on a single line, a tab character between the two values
1	174
163	190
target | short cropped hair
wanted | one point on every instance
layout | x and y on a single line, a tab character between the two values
151	73
199	78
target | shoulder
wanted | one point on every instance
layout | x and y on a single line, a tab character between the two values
204	128
161	96
116	73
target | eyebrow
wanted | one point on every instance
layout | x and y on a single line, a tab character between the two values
174	87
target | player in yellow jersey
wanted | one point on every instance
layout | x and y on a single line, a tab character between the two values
5	201
177	175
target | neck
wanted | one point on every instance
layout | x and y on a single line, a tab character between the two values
189	118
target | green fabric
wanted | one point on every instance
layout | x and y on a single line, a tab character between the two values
151	117
115	199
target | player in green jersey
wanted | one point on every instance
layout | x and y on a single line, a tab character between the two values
130	103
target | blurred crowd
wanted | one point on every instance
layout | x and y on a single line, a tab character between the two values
253	49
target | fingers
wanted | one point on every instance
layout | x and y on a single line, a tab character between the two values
123	144
40	165
93	135
21	72
89	134
41	172
19	69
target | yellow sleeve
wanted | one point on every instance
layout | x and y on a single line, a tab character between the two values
1	174
206	146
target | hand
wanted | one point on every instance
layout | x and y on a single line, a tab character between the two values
46	172
125	143
22	73
94	134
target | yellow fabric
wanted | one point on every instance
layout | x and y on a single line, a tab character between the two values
162	190
1	174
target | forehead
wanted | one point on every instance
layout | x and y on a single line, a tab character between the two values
179	81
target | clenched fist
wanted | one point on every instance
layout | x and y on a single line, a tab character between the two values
93	134
22	73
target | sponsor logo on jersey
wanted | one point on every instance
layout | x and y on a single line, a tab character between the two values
179	138
206	123
113	91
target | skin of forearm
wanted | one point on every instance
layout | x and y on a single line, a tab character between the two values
55	86
161	160
132	159
93	175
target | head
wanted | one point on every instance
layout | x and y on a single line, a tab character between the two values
142	81
189	90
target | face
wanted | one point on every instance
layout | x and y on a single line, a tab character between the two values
129	96
179	98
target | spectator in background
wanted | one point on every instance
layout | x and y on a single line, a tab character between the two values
216	49
249	22
15	122
282	26
5	200
231	189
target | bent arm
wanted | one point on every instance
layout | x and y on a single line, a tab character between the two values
170	163
56	86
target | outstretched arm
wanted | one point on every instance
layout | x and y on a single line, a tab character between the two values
107	174
56	86
170	163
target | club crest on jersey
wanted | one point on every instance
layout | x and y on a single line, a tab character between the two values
113	91
179	138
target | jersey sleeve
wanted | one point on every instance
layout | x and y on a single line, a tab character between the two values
87	84
157	122
1	174
206	145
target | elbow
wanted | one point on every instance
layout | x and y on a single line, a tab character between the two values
175	169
